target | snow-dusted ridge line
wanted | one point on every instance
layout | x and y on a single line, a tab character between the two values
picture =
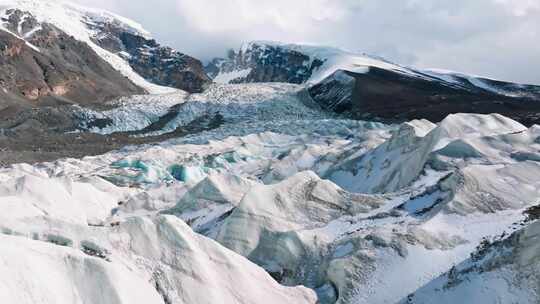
352	58
35	48
334	59
476	80
331	59
72	19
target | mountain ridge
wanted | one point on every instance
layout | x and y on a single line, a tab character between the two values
363	86
93	26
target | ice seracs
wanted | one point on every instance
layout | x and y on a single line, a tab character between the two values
399	161
206	205
301	201
504	270
392	165
40	272
252	204
161	258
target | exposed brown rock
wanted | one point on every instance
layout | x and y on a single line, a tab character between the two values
55	66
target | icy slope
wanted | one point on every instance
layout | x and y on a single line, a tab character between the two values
233	104
256	189
39	272
194	269
503	271
154	261
129	113
160	256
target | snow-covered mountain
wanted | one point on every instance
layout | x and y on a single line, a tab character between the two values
364	86
268	61
55	54
40	62
392	96
95	36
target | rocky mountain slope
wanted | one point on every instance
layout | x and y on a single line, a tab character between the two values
363	86
55	55
158	64
41	63
93	46
392	96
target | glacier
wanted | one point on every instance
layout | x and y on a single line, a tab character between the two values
258	204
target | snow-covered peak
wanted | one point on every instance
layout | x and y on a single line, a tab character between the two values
78	21
332	58
339	59
70	17
270	61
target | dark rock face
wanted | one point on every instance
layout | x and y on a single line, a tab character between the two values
392	96
215	66
335	92
498	87
267	62
19	22
158	64
52	67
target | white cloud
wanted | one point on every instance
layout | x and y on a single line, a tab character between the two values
241	15
521	7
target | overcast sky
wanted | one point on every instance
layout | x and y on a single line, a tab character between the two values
495	38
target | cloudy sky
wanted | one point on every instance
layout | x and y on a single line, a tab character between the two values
495	38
